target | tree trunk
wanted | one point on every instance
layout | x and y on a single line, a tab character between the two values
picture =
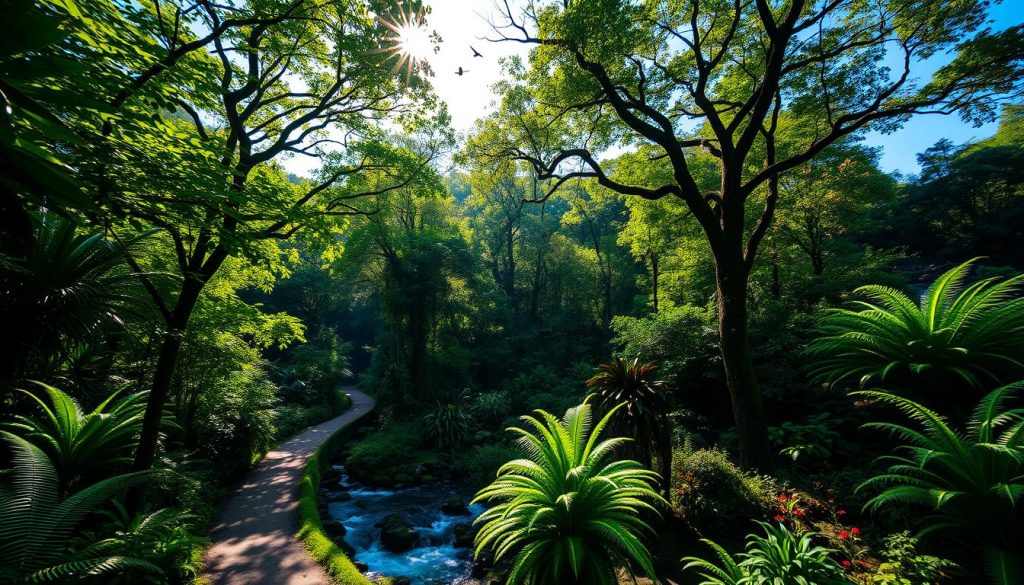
163	375
654	279
747	408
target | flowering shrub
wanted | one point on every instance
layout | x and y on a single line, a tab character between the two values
714	497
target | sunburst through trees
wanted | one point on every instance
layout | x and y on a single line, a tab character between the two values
412	42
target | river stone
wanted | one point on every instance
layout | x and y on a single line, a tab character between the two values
464	534
337	496
455	507
333	528
396	535
331	475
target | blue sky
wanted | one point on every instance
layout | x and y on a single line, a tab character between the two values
900	148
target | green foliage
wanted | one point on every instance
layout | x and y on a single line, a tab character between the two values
162	538
967	201
714	496
36	533
971	481
68	289
814	438
393	454
646	404
233	423
490	409
778	558
903	565
290	419
975	333
481	463
568	513
315	369
82	444
449	424
30	108
680	338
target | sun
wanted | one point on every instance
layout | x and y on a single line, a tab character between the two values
410	42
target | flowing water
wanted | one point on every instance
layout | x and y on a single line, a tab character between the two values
435	560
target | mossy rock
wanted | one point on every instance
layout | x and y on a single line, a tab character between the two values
454	506
396	535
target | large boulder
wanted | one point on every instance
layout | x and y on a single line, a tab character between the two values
464	534
396	535
454	506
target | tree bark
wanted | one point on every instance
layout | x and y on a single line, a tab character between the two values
654	279
163	374
744	392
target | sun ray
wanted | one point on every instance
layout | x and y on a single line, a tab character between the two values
410	43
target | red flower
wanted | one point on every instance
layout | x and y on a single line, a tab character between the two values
799	512
841	512
855	530
779	518
845	563
843	535
783	498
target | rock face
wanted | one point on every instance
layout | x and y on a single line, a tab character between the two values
454	506
396	535
464	534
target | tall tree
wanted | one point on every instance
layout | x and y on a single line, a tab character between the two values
716	75
236	89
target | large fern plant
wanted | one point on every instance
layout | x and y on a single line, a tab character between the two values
81	443
70	286
37	526
975	333
646	402
972	483
777	558
569	513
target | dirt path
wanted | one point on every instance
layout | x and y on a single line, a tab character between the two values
254	533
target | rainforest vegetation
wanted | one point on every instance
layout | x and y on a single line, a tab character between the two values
661	309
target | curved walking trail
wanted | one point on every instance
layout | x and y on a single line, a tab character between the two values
254	533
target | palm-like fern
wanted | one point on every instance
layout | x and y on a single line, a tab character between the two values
67	287
448	423
645	414
80	442
973	332
36	526
972	482
569	513
778	558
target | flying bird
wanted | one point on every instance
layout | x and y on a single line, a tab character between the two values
460	72
475	52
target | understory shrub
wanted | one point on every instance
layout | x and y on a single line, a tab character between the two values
716	498
448	424
393	454
290	419
234	421
904	565
780	557
481	464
